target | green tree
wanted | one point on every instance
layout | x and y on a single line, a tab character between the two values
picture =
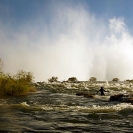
15	85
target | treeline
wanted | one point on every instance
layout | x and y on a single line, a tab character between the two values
15	85
55	79
74	79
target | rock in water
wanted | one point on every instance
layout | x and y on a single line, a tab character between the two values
116	97
122	98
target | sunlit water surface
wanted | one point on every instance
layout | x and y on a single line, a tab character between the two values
59	110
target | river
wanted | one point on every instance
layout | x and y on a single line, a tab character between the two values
55	108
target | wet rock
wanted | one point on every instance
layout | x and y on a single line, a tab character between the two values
127	100
122	98
116	97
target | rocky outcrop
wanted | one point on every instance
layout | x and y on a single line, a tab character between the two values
128	100
122	98
116	97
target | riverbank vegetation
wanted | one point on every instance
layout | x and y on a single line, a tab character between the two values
15	85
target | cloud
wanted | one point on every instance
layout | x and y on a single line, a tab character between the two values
117	25
74	43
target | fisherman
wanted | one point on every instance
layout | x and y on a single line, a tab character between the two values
102	91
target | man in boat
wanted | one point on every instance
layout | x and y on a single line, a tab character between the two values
102	91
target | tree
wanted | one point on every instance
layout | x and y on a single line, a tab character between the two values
93	79
72	79
25	76
1	65
53	79
115	79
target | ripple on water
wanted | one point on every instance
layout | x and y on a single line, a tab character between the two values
58	112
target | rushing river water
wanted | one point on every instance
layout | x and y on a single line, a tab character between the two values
54	109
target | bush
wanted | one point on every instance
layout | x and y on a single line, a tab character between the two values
93	79
115	79
19	84
24	76
1	66
16	85
72	79
129	80
53	79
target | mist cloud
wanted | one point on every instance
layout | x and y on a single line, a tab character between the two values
74	43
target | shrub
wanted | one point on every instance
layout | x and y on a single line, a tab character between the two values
24	76
93	79
16	85
129	80
1	66
115	79
53	79
19	84
72	79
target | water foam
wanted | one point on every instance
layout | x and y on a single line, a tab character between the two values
25	104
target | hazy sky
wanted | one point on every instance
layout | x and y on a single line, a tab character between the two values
66	38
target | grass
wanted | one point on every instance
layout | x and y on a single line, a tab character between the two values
19	84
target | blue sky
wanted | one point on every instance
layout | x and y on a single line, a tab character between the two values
65	38
19	12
